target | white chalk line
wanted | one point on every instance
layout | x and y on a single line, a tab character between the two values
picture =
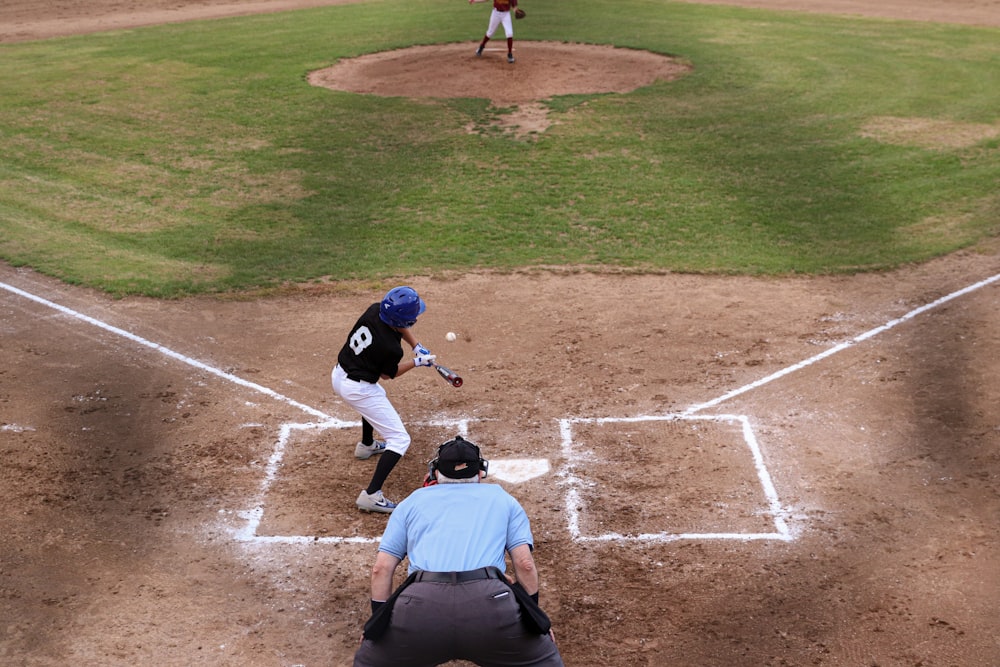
254	516
778	513
842	346
574	501
168	352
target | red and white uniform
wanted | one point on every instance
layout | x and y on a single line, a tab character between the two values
501	16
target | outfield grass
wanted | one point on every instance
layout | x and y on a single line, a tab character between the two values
194	157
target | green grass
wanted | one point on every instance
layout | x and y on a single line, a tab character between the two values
194	157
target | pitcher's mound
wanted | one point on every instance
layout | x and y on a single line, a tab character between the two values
541	70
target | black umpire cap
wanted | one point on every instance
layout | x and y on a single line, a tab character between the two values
459	459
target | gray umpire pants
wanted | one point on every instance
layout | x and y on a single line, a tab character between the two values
478	621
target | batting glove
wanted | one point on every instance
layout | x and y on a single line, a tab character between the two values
420	350
424	359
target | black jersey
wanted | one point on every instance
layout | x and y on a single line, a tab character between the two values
372	349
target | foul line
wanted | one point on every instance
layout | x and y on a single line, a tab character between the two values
841	347
168	352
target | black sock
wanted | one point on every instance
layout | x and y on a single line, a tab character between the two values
386	463
367	433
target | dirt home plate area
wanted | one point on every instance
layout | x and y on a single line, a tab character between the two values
719	470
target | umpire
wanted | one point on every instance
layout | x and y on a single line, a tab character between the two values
456	603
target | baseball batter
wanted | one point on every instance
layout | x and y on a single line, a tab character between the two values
372	352
500	16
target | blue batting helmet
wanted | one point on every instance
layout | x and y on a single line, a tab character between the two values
400	307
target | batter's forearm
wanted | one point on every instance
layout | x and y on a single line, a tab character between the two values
405	366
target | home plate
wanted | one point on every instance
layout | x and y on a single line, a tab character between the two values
518	470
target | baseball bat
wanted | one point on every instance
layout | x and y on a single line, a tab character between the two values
450	376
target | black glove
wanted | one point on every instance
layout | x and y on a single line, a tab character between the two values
376	604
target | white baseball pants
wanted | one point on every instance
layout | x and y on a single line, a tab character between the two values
498	18
371	401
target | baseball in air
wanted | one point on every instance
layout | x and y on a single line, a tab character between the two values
451	336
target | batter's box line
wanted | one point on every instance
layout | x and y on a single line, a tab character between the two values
254	515
574	501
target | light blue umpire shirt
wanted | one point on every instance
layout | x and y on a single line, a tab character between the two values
456	527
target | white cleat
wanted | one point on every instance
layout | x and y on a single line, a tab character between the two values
375	502
363	451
